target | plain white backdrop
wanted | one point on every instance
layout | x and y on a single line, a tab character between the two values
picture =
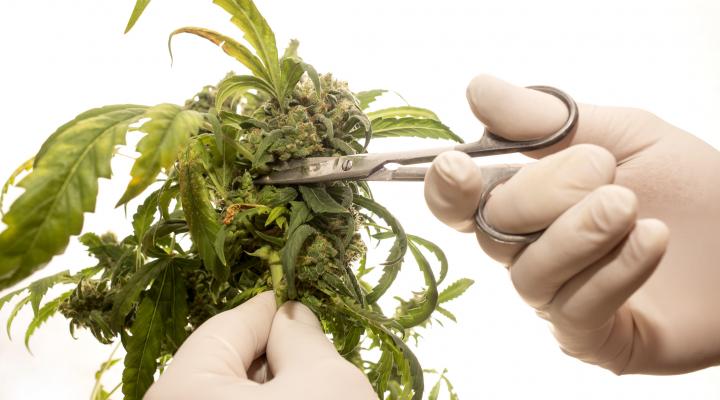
59	58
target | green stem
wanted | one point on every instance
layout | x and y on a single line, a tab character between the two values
276	272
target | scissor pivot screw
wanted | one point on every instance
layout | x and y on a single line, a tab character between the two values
347	165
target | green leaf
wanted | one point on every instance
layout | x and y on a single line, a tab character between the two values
175	309
257	32
446	313
237	85
425	303
144	345
397	251
62	186
289	254
136	13
437	252
367	97
38	288
320	201
168	129
229	46
275	213
145	214
202	219
9	296
20	304
412	127
454	290
272	196
299	214
220	245
404	111
435	391
127	296
47	311
26	166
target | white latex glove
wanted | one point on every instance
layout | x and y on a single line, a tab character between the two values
254	352
616	290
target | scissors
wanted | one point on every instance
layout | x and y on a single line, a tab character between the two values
379	166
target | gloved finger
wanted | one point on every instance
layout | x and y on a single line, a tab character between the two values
518	113
577	239
299	353
228	343
592	297
213	362
530	201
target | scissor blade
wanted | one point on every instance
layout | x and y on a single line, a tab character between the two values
398	174
323	169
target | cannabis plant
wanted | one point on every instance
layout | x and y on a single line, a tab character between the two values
207	237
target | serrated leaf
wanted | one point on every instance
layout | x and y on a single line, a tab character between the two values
175	309
367	97
9	296
412	127
145	215
257	32
38	288
47	311
436	251
62	186
320	201
446	313
200	213
140	6
128	295
168	129
229	45
404	111
20	304
26	166
289	254
237	85
299	214
274	214
427	300
397	251
144	345
454	290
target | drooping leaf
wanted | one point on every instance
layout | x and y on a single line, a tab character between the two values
168	129
38	288
144	344
454	290
20	304
413	127
140	6
436	251
199	211
229	46
237	85
26	166
62	186
367	97
427	300
175	308
403	111
5	299
320	201
45	312
128	295
257	32
289	254
397	251
446	313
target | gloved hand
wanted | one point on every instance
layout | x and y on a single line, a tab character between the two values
616	290
254	352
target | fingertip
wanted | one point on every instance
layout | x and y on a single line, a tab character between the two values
453	186
651	238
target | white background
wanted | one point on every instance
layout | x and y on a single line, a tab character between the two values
59	58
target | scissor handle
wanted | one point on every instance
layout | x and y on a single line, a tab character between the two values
492	144
492	177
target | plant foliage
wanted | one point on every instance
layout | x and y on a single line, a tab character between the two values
207	238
